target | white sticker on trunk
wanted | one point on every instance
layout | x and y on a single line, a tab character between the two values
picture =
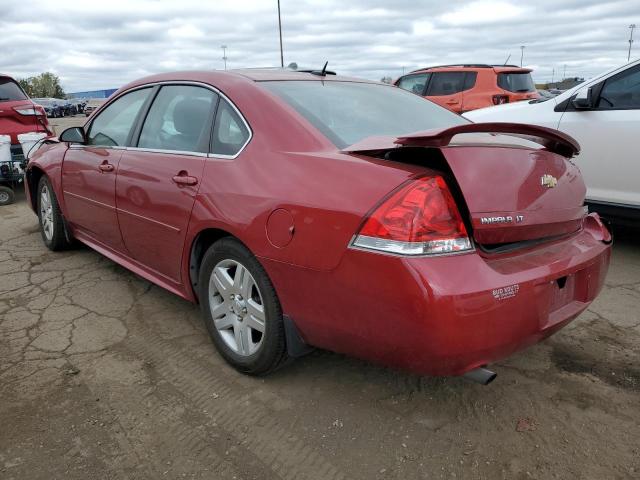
506	292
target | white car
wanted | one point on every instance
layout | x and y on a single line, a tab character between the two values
603	115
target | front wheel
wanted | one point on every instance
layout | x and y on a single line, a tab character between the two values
7	196
241	309
51	222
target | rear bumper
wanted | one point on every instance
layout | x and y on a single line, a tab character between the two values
444	315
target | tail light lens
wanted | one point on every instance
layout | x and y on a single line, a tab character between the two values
420	218
33	110
500	99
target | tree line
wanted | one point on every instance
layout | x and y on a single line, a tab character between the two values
45	85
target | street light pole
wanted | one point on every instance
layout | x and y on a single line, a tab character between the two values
280	30
632	28
521	54
224	55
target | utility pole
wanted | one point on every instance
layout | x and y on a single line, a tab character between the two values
553	74
224	55
564	73
280	30
521	54
632	27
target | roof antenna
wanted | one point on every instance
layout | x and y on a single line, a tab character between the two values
505	62
323	73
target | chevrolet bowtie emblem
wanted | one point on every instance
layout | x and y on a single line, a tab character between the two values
548	181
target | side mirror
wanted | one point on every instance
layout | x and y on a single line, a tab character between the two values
583	99
73	135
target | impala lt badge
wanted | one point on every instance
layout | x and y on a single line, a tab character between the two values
548	181
501	219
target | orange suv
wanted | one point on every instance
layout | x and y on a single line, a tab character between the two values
461	88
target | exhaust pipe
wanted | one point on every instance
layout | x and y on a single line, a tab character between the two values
481	375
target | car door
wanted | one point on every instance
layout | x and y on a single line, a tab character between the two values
89	171
608	135
158	177
445	89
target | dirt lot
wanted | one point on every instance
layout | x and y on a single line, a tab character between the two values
103	375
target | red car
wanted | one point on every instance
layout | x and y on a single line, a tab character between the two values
18	114
301	209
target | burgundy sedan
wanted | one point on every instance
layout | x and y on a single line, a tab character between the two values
306	209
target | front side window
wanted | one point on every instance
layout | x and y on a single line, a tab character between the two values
347	112
414	83
230	134
516	82
446	83
10	91
179	119
112	126
621	91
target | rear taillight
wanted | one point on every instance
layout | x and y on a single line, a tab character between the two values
421	218
500	99
34	110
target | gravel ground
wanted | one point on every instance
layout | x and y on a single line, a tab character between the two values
103	375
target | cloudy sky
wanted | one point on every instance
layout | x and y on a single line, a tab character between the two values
102	44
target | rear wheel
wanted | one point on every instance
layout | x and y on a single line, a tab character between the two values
241	309
52	226
7	196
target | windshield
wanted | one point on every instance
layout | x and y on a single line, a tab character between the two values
347	112
516	82
10	91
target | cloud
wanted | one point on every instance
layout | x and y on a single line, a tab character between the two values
93	45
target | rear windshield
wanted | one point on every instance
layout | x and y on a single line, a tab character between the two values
347	112
516	82
10	91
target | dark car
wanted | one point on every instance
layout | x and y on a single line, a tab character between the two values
51	106
309	209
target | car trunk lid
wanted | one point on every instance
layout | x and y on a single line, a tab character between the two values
12	99
513	194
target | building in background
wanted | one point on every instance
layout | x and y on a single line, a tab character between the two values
93	94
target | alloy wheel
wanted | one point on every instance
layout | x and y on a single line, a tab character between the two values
237	308
46	212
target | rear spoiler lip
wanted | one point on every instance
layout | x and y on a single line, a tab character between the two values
553	140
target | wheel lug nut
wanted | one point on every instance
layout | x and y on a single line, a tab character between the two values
244	310
232	296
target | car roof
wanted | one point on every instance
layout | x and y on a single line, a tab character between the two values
219	78
474	67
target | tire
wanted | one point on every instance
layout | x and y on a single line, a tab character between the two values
50	218
235	331
7	196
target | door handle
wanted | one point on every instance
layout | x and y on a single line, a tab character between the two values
183	179
106	167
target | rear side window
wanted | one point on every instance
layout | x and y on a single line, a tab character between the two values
179	119
470	80
10	91
446	83
414	83
621	91
112	126
230	134
516	82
